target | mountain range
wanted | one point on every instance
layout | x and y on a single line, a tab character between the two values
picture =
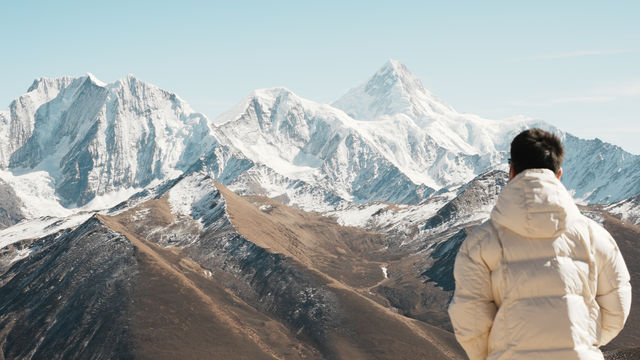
133	226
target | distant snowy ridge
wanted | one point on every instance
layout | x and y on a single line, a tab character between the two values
446	147
390	91
94	138
395	93
17	123
317	144
71	141
599	172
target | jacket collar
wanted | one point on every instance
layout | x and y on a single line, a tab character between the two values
535	204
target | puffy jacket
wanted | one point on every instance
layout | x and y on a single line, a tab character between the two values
538	280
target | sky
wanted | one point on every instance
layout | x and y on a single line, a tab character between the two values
574	64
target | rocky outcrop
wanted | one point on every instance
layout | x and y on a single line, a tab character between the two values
480	194
10	206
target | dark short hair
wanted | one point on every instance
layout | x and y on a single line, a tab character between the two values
536	149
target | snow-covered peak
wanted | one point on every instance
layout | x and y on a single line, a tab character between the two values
45	85
134	87
394	95
17	123
95	80
127	80
276	127
314	143
271	94
393	90
272	98
265	96
123	134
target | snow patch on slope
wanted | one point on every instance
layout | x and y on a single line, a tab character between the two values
386	218
37	192
262	180
40	227
627	210
195	195
357	216
113	198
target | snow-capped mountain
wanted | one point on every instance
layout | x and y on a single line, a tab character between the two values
17	123
393	92
317	144
599	172
437	146
71	141
78	141
391	117
94	138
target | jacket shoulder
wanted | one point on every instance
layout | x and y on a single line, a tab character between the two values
483	244
599	238
483	233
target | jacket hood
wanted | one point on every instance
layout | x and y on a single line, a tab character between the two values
535	204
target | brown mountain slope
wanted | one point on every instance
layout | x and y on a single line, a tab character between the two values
216	293
180	311
342	255
627	236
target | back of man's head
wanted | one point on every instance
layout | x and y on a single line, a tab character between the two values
536	149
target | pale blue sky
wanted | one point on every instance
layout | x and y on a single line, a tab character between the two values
574	64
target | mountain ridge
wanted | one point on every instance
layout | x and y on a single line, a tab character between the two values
102	138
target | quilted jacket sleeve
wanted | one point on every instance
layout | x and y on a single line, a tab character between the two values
472	309
614	291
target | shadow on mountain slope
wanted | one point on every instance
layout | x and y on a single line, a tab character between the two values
152	283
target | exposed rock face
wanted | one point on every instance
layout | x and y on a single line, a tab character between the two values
623	354
444	253
626	236
10	210
71	297
481	193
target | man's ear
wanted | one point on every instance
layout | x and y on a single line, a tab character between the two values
559	175
512	172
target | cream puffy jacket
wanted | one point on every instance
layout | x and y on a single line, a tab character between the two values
538	280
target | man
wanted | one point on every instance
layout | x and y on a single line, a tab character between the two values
538	280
